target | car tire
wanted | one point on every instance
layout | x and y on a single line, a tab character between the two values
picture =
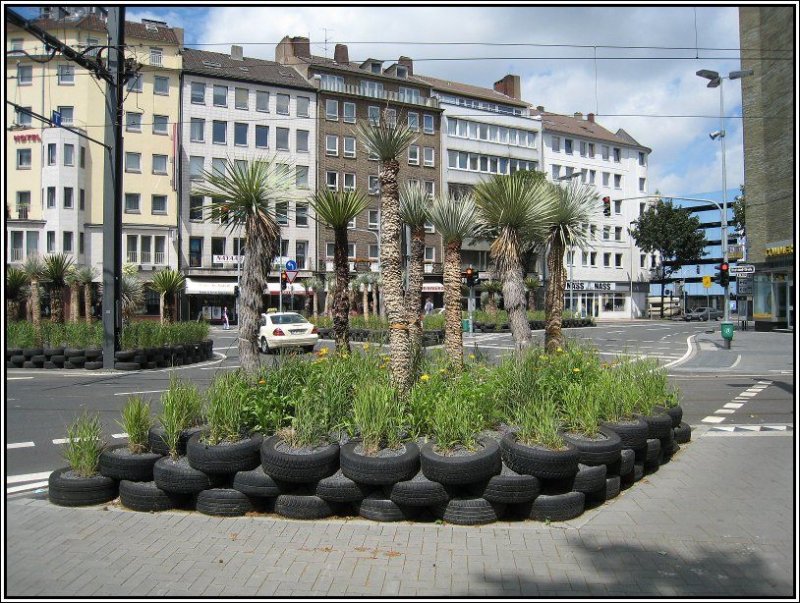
180	478
148	497
461	470
469	511
379	470
223	502
298	468
302	506
682	433
338	488
558	507
540	462
263	346
257	483
74	491
511	487
377	508
418	491
243	455
596	451
117	462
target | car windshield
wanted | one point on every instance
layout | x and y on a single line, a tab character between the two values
287	319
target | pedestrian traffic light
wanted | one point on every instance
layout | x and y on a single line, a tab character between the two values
607	206
236	290
724	277
284	280
470	276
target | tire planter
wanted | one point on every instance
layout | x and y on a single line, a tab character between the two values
68	490
303	506
179	477
596	451
538	461
338	488
379	470
93	354
93	365
469	511
419	491
588	479
461	470
156	439
611	490
126	356
257	483
31	352
298	468
224	458
117	462
653	452
48	352
627	458
682	433
511	488
127	366
225	502
17	360
676	414
147	496
558	507
632	434
378	508
658	425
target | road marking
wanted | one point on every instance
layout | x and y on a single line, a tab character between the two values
713	419
119	436
738	359
154	391
733	405
17	378
17	479
723	411
747	394
61	441
20	445
685	355
217	368
23	487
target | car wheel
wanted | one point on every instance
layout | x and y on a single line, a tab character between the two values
308	348
264	346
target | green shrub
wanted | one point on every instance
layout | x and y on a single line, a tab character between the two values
538	422
226	409
21	334
580	409
148	334
84	445
378	415
651	381
136	422
269	407
181	408
458	414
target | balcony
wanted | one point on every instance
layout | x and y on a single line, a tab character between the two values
158	256
132	257
17	255
146	257
385	95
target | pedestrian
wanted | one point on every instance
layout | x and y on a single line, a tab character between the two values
225	324
429	306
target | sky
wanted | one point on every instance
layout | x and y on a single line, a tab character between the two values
570	59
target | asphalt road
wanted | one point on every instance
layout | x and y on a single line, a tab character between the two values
750	384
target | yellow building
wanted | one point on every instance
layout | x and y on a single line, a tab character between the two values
55	178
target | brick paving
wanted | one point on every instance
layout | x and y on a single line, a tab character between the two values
716	521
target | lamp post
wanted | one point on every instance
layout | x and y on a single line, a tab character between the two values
715	81
630	236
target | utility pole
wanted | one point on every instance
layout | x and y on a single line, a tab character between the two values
112	188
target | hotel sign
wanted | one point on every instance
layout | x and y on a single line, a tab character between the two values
27	138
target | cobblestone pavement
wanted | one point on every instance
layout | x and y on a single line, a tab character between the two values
716	521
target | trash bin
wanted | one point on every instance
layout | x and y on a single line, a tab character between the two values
727	330
465	325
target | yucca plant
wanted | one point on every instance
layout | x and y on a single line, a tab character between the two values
34	268
532	284
414	205
17	287
167	283
492	288
74	283
131	292
136	422
336	210
388	140
56	269
86	276
84	445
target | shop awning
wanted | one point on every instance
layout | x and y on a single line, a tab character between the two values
432	288
199	287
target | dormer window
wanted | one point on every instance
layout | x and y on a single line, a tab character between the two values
375	67
402	72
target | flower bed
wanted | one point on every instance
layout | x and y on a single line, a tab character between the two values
538	437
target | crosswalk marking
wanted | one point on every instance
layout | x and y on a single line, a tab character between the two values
20	445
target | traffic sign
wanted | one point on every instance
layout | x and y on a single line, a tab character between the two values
56	118
706	281
742	269
291	275
291	265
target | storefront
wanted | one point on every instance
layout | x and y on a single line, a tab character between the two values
604	299
773	289
208	298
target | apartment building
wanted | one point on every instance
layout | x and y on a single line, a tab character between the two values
55	177
601	279
484	132
240	109
350	93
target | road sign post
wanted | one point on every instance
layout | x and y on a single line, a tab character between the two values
291	274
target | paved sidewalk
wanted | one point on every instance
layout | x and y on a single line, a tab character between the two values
716	521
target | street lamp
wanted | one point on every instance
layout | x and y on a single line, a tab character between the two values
715	81
630	237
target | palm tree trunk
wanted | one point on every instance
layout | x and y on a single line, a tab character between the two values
315	301
35	306
57	305
413	297
255	270
514	298
365	301
554	301
453	336
341	299
161	306
74	302
87	302
391	225
12	308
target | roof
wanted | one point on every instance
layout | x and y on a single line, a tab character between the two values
258	70
355	68
575	126
139	31
469	90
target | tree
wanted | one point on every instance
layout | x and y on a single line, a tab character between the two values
672	232
454	219
85	276
739	205
17	288
34	268
167	283
365	281
414	203
388	140
532	284
247	195
336	210
56	269
513	211
131	292
74	284
491	289
575	206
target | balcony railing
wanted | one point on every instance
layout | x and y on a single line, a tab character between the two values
386	95
16	255
158	256
132	255
145	257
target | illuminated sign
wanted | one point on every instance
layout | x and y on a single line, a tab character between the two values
27	138
781	250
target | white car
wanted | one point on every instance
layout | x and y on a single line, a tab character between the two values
286	330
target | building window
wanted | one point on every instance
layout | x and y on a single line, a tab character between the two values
374	251
428	156
607	260
67	242
80	243
218	166
642	208
374	185
282	213
618	233
262	101
606	178
374	219
413	121
430	188
642	260
240	134
145	243
282	142
642	159
66	75
69	201
195	252
302	141
606	233
568	146
22	118
24	75
198	93
331	145
618	260
301	210
300	253
135	84
159	204
131	203
332	180
262	137
82	159
196	208
332	109
555	143
617	206
133	162
67	115
197	128
51	241
642	185
349	113
555	171
23	204
196	167
220	96
133	255
582	148
427	123
391	117
82	200
217	248
617	181
219	132
241	98
156	54
617	155
349	182
374	115
51	197
430	254
413	155
301	176
371	88
160	123
593	258
161	85
24	159
159	164
133	122
282	104
430	228
303	104
349	146
591	150
606	150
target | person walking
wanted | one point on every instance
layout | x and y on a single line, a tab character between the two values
429	306
225	324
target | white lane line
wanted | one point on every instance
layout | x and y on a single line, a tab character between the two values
738	359
758	387
767	382
219	368
17	378
747	394
119	436
154	391
61	441
685	355
724	411
20	445
733	405
23	487
713	419
27	477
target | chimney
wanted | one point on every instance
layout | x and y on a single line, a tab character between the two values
540	108
407	63
578	115
179	35
289	49
237	53
301	47
340	54
510	86
590	117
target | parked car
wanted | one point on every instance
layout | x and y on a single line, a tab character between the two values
703	313
286	330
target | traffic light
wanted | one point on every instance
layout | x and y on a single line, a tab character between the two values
607	206
724	277
236	290
470	276
284	280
